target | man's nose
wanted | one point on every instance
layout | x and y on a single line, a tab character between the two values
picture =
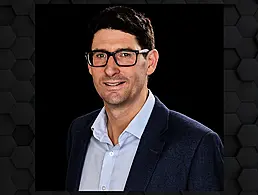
111	68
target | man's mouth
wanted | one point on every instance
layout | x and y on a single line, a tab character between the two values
113	83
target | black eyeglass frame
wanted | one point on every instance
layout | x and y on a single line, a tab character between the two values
137	52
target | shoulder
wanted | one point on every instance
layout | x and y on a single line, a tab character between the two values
84	120
185	122
181	126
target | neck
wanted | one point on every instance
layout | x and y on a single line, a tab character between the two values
119	116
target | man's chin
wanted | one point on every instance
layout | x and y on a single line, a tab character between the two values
113	102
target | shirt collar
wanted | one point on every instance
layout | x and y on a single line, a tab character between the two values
136	126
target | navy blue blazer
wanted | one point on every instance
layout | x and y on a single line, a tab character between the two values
175	153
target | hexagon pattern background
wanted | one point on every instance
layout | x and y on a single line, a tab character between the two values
17	90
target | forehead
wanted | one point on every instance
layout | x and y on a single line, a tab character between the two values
111	40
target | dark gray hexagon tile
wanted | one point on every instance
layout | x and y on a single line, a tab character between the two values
6	102
6	16
231	102
79	1
33	40
42	1
246	7
248	69
6	124
59	2
6	79
155	1
231	15
247	26
231	187
173	2
90	2
248	135
32	80
7	59
247	48
128	2
192	1
32	145
23	48
7	145
22	7
32	14
232	37
22	179
248	157
23	135
6	185
247	91
230	2
7	37
231	124
32	168
22	157
231	59
231	81
6	168
232	168
32	59
232	145
22	113
248	193
32	124
247	112
32	102
5	2
32	189
22	192
23	70
22	91
248	179
23	26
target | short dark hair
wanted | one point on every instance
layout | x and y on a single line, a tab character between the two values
127	20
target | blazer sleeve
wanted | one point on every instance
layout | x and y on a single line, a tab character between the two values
207	171
69	140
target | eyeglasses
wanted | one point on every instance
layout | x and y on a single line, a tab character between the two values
122	57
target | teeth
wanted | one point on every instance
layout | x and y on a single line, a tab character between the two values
112	84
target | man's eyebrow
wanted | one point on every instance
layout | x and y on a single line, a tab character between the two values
122	48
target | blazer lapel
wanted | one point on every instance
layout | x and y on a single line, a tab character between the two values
149	149
79	147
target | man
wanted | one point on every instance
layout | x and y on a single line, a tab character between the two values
135	143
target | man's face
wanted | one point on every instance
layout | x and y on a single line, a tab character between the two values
132	80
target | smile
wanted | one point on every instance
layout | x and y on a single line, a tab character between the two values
113	83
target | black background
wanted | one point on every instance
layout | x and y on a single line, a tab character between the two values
188	79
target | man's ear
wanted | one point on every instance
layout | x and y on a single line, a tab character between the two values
90	69
152	60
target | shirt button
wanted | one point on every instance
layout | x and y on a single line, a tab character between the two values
103	187
111	153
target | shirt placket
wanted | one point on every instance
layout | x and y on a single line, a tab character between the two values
107	169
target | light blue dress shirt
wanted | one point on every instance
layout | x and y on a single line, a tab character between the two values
106	167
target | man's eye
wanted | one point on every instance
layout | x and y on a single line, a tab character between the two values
125	54
100	55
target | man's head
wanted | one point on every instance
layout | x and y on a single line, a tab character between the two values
122	55
127	20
